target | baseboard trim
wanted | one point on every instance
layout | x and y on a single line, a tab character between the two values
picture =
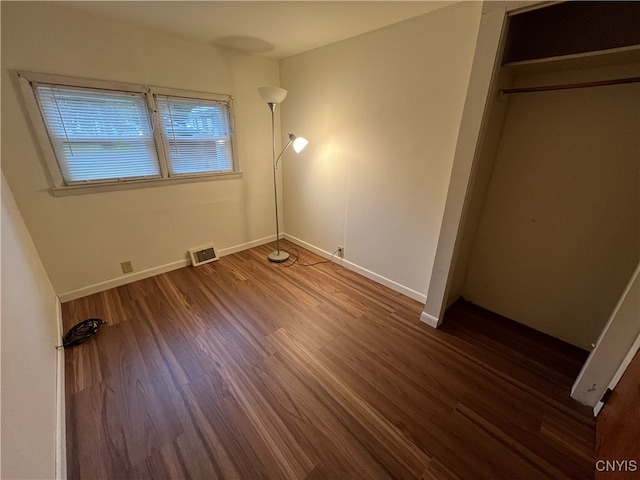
150	272
61	436
246	246
116	282
313	248
430	320
422	298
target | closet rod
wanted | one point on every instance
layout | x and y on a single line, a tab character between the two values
570	86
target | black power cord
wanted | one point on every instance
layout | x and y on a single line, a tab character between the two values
81	332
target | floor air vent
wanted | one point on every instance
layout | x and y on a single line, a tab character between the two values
203	254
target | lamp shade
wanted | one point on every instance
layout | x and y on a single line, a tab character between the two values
272	94
299	143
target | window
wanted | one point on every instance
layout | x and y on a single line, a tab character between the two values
98	134
196	135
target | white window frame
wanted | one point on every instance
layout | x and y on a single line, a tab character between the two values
27	81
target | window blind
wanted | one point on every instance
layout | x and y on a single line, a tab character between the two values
196	135
99	135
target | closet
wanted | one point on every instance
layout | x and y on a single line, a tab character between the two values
552	231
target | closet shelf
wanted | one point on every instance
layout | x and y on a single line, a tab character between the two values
600	58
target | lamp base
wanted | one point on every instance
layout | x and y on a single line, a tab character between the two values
278	257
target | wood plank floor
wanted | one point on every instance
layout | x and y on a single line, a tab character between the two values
247	369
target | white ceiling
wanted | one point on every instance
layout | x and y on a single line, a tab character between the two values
275	29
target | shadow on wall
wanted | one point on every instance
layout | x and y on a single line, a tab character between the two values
245	44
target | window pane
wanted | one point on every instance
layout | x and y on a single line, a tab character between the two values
98	135
196	134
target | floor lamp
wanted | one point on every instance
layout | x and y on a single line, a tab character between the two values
273	96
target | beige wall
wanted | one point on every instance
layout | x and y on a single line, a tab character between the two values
29	336
82	239
560	231
382	113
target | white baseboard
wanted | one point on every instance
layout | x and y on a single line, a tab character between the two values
246	246
422	298
361	270
116	282
150	272
430	320
61	436
312	248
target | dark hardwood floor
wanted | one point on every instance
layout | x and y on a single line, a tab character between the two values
247	369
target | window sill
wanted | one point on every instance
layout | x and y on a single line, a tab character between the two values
134	184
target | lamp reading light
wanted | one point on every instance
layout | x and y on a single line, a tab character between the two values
299	143
273	96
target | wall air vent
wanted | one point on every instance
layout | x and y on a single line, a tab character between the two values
203	254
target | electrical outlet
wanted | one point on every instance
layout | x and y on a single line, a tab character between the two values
127	267
340	251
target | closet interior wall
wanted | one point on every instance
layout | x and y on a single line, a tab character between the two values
558	235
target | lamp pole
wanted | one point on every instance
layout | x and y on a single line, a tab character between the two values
276	256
